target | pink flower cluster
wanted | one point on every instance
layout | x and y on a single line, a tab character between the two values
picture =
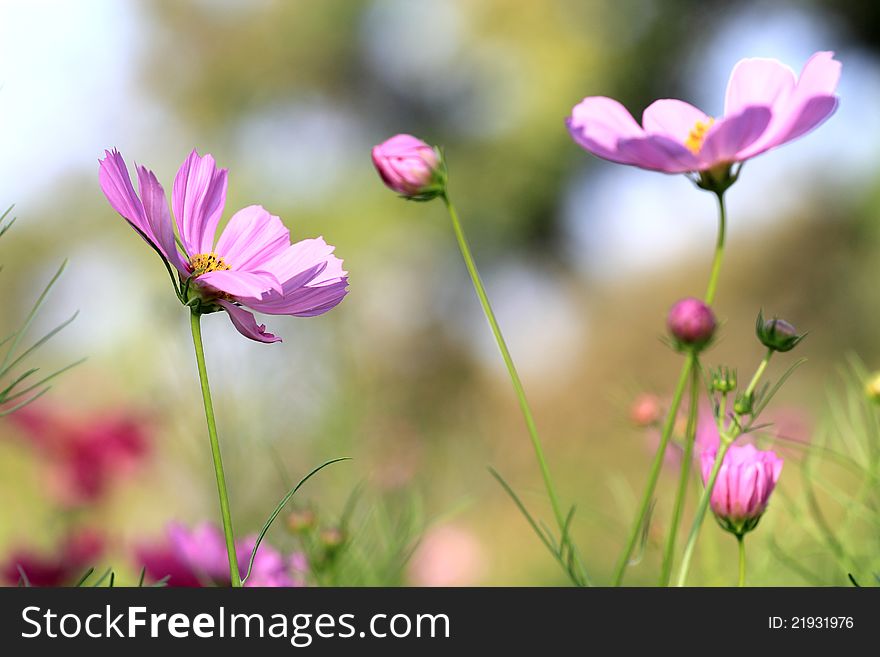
83	456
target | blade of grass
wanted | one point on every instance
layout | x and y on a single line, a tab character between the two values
281	505
86	575
30	317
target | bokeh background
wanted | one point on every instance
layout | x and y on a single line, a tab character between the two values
582	258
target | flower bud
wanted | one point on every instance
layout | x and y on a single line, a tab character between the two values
777	334
691	323
724	380
410	167
301	521
745	481
872	388
645	410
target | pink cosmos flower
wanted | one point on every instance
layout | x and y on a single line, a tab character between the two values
197	557
84	456
745	481
407	165
252	264
766	105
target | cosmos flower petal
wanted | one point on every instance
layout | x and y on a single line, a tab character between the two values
758	81
252	238
241	283
672	118
197	199
247	324
159	218
116	185
728	137
599	123
658	153
314	281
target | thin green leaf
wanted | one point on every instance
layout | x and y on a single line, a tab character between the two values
30	317
141	578
86	575
39	343
643	537
56	373
112	580
101	579
548	541
281	505
853	580
776	387
162	583
10	411
535	527
15	382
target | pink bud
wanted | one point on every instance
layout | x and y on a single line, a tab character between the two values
745	481
407	165
691	322
645	410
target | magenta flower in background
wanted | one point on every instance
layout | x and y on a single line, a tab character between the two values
766	105
409	166
197	557
252	265
745	481
70	560
83	457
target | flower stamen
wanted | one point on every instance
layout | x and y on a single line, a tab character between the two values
697	135
207	262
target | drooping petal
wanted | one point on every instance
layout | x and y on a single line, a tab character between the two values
758	81
157	214
599	123
246	324
197	198
116	185
252	238
241	283
732	134
672	118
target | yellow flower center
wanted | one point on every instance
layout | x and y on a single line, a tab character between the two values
697	135
207	262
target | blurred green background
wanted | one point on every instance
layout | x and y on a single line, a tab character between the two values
582	258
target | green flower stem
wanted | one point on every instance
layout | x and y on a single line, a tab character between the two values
508	361
758	373
676	401
702	507
736	430
689	438
719	250
742	559
654	475
234	576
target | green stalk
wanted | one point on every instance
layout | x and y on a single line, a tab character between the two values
719	250
654	475
742	559
676	401
681	495
726	442
508	361
234	576
702	507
